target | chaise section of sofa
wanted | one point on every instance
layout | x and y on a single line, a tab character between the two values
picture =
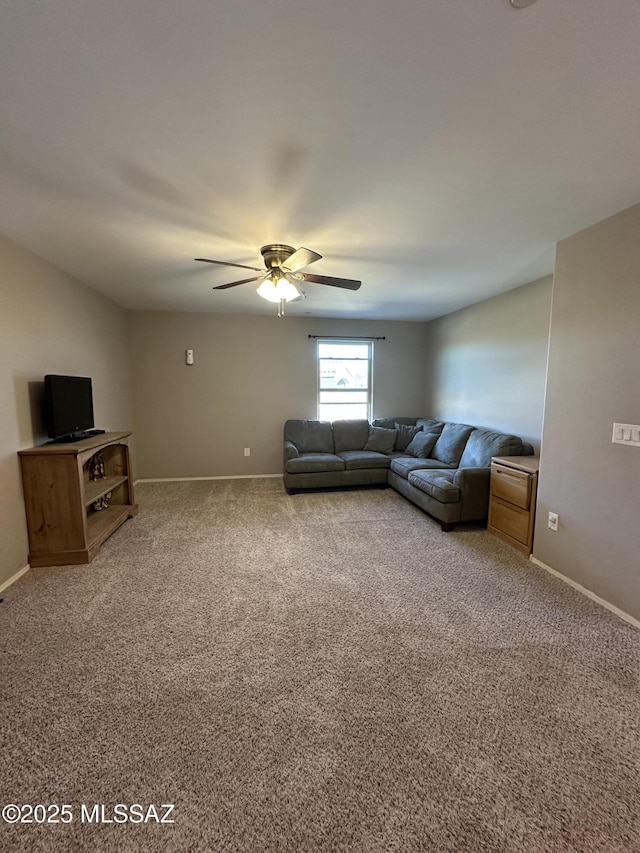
458	490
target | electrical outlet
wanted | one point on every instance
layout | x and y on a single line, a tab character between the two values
247	451
552	523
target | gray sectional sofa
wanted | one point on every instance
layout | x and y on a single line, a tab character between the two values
443	468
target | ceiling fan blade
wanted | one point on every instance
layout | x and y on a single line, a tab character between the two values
300	258
227	264
347	283
236	283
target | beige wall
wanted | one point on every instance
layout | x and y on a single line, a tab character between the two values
594	381
250	375
49	323
486	364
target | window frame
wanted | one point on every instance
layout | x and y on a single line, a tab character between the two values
368	390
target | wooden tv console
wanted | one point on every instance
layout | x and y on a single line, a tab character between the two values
60	497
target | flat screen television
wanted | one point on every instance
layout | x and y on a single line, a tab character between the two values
68	406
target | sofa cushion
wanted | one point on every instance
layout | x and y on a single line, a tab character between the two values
381	440
350	435
364	459
438	484
483	444
451	442
310	463
430	425
421	444
404	436
389	423
403	465
310	436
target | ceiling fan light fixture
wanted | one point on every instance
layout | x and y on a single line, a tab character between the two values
277	288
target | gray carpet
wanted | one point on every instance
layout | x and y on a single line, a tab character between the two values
322	672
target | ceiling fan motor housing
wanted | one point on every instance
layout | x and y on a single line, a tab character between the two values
275	254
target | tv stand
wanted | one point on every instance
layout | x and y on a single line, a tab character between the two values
61	499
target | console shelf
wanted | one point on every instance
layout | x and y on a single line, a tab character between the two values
64	525
95	489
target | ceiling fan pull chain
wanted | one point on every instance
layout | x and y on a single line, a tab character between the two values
283	302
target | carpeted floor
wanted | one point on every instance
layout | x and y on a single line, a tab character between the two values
322	672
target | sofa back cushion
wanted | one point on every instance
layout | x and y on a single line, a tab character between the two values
405	434
350	435
451	442
430	425
390	423
309	436
483	444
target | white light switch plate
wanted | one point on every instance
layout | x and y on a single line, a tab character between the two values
628	434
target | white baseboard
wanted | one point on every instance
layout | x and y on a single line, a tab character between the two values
189	479
601	601
14	578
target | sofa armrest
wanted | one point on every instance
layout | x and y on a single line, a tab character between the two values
290	451
474	488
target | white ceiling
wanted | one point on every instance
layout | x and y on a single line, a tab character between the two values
434	149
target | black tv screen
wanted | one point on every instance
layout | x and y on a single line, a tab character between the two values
68	405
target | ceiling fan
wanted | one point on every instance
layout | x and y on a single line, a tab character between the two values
280	278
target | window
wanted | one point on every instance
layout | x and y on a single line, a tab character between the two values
344	379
